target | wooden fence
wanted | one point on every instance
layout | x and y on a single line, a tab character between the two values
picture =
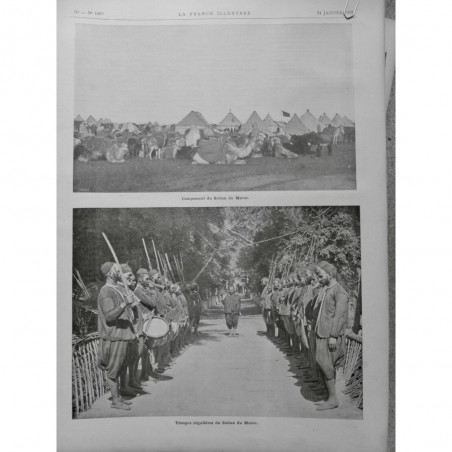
88	381
353	369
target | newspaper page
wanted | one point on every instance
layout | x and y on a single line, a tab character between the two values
222	238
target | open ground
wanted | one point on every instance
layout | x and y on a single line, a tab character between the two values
336	172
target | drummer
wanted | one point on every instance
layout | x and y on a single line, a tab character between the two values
148	305
130	386
161	305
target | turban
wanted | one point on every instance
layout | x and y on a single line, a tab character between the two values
329	268
141	272
154	273
126	268
106	267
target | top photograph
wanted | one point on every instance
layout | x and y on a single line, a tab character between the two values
213	107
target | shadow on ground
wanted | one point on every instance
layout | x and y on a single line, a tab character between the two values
311	383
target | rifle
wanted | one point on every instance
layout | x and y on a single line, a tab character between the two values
156	258
147	255
169	267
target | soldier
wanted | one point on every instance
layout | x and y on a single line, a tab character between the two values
330	330
232	310
185	313
266	305
130	386
197	306
274	300
190	308
115	331
148	301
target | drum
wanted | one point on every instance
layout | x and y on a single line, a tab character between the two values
155	327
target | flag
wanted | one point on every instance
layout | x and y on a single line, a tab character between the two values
284	113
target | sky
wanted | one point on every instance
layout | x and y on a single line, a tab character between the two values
161	73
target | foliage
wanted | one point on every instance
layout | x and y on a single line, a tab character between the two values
331	234
177	232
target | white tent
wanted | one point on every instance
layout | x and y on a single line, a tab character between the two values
230	121
132	128
310	121
348	122
193	119
325	120
296	127
254	123
337	121
271	124
91	121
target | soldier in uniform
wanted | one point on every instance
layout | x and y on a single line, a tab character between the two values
197	306
190	308
148	300
136	346
274	301
330	330
266	305
115	331
232	310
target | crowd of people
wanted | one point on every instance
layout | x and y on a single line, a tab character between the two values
125	304
309	313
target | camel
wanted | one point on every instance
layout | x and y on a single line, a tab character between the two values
234	152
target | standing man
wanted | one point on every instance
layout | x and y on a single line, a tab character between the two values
197	306
148	301
232	310
116	330
128	385
330	330
190	308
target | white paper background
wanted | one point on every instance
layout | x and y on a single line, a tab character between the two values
424	36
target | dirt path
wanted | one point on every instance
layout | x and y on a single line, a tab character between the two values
218	375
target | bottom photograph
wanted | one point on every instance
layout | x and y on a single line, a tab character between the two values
232	311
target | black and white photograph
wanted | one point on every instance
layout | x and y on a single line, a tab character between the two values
217	311
213	107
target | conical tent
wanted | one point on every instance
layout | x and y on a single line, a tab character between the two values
296	127
325	120
91	121
337	121
348	122
193	119
310	121
130	126
270	123
78	118
230	121
254	122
